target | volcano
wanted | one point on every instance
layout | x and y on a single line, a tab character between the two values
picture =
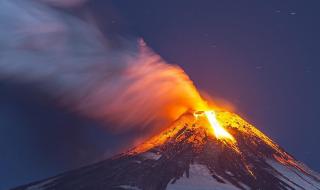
194	154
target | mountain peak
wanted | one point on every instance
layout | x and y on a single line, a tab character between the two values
189	155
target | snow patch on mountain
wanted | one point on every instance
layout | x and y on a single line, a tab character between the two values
199	179
294	177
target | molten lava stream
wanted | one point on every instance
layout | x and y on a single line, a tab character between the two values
217	130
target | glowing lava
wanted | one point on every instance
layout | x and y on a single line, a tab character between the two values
218	130
215	127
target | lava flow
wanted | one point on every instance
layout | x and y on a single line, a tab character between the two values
217	129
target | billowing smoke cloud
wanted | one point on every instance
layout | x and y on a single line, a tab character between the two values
72	61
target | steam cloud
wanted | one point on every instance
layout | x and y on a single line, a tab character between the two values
72	61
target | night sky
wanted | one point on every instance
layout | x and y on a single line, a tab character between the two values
261	56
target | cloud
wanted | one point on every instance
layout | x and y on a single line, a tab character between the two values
72	61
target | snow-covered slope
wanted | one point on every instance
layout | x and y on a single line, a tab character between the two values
199	178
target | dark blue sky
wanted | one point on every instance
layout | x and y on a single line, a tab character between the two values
261	56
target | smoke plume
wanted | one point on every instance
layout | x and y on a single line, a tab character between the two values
71	60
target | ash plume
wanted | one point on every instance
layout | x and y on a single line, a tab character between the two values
73	62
